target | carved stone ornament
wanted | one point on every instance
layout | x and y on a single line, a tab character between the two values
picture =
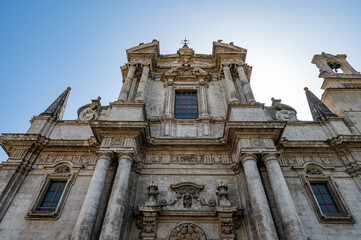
152	195
187	196
222	195
90	111
313	171
281	112
62	170
187	231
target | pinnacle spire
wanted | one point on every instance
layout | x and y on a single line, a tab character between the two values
57	108
319	110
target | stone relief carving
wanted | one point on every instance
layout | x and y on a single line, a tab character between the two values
301	160
91	111
83	158
313	171
118	142
187	231
187	197
146	224
281	112
62	170
222	194
188	159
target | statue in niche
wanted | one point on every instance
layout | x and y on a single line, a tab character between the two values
187	200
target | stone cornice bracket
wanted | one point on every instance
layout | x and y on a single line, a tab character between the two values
169	82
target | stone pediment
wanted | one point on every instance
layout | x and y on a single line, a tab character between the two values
151	48
219	47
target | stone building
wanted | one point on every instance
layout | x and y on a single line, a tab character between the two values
187	152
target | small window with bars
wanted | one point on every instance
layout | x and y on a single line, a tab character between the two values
324	198
186	105
52	196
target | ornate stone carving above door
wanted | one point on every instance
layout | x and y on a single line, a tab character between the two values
187	231
187	197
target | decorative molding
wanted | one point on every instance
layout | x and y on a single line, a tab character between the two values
188	159
301	160
187	197
313	171
52	158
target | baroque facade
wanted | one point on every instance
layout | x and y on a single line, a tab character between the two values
186	152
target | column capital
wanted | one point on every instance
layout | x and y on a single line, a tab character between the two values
107	155
225	65
132	64
126	156
268	157
248	156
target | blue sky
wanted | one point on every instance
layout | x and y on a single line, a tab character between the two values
46	46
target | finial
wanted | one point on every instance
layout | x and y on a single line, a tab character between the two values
306	89
68	88
185	42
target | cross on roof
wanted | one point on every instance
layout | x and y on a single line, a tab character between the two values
185	42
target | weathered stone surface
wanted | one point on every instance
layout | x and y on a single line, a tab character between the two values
200	178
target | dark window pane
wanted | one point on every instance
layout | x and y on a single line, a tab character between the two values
319	199
52	196
333	209
45	205
48	196
323	188
62	186
315	188
57	196
328	199
324	209
53	186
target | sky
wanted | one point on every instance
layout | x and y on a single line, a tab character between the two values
47	46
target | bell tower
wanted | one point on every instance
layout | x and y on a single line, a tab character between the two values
342	86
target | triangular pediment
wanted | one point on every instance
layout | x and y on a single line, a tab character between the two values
152	47
219	47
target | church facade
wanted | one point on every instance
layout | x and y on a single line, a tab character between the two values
187	152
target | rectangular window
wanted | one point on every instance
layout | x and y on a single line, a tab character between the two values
186	105
324	198
52	196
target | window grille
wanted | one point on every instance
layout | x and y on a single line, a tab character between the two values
186	105
324	198
52	196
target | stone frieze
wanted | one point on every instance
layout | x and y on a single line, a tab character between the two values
188	159
301	160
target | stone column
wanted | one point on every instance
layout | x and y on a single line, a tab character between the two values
114	215
230	85
289	217
261	211
123	96
142	84
245	84
203	110
169	100
87	216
